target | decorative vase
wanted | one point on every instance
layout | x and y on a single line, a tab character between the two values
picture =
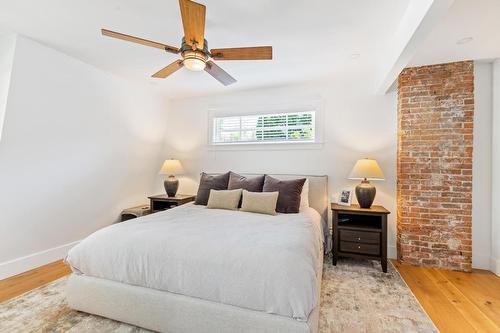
171	186
365	193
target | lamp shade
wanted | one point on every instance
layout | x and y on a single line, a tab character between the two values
366	168
171	167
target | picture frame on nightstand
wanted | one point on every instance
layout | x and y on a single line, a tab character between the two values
345	198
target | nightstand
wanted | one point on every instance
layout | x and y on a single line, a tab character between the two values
134	212
360	233
163	201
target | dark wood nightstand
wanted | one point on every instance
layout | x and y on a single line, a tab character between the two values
135	212
163	201
360	233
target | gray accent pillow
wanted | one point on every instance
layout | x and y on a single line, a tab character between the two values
253	184
289	193
210	182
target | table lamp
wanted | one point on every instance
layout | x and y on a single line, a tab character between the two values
171	168
366	169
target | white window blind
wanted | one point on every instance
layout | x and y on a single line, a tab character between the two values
265	128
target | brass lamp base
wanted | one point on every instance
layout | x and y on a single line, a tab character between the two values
365	193
171	186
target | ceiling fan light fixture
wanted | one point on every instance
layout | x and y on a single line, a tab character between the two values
194	60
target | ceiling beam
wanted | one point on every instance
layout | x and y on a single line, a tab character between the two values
417	23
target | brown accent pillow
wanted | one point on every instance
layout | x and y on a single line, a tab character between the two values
210	182
253	184
289	193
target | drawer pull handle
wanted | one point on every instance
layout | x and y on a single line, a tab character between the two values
359	246
359	238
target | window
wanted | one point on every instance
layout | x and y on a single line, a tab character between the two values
265	128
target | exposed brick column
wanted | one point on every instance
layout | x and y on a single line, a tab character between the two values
434	185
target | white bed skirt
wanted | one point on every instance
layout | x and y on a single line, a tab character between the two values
168	312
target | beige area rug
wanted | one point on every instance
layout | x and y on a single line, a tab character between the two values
355	297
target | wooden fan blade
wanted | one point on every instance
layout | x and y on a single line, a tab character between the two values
243	53
138	40
193	21
170	69
219	74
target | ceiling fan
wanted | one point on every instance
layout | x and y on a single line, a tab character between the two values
194	47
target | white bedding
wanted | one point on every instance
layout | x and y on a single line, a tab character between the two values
261	262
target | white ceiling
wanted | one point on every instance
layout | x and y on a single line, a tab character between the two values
479	19
311	38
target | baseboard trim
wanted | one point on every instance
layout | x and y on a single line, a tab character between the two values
392	252
26	263
481	261
495	266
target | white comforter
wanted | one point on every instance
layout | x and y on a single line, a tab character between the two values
261	262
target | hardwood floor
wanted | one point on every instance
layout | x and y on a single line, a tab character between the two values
456	302
21	283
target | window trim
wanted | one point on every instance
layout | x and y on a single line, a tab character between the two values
285	128
250	110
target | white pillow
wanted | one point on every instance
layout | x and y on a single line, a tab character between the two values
304	196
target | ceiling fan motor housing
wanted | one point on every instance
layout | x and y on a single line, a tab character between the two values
187	47
194	59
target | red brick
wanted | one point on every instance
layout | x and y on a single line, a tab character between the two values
436	114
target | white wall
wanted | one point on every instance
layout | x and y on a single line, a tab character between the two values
7	45
495	212
78	146
356	124
481	176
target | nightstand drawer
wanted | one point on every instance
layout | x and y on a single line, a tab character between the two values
162	202
360	236
372	249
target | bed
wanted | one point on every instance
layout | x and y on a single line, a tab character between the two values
193	269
